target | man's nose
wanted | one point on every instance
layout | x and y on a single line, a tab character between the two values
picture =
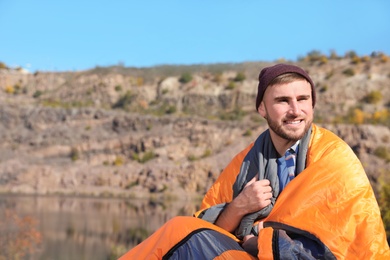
294	108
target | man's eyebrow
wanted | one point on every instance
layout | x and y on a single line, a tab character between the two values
304	96
282	97
288	97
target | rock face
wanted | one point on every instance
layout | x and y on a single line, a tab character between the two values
89	151
141	133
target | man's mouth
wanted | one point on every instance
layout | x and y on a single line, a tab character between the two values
293	122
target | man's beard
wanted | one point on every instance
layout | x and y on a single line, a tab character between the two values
287	135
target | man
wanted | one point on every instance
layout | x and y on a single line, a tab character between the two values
297	192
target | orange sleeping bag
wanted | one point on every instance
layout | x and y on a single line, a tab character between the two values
331	202
331	199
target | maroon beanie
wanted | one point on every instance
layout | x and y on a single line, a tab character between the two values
269	73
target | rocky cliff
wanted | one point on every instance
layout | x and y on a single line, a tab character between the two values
168	131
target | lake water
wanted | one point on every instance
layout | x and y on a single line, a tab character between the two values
55	227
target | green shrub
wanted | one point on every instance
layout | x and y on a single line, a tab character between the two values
163	109
355	60
74	154
356	116
3	65
117	251
231	85
217	78
350	54
384	58
106	163
206	153
135	157
17	88
125	100
236	114
323	60
365	58
384	204
10	90
171	109
147	156
383	153
349	72
118	88
314	55
373	97
192	158
37	94
324	88
247	133
118	161
185	78
333	55
131	184
381	117
239	77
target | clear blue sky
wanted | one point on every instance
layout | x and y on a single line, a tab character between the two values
70	35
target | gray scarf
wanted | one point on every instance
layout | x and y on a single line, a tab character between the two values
261	160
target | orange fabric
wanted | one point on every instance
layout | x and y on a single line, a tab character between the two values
333	199
265	246
171	233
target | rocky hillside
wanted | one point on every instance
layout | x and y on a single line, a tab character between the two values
168	130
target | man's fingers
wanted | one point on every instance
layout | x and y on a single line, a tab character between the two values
265	182
260	226
254	179
247	237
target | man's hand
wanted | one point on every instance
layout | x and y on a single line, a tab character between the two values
250	243
255	196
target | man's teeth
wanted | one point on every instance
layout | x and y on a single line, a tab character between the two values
293	122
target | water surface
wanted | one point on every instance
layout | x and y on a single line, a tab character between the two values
55	227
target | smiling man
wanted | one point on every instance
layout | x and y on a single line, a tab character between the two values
297	192
286	99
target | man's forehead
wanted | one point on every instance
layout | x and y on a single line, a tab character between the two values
295	86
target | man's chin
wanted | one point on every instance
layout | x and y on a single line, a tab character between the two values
289	132
294	135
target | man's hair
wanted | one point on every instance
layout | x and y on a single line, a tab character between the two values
287	78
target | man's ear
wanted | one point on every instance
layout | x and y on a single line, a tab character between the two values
261	109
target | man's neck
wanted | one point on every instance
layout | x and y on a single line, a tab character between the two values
281	145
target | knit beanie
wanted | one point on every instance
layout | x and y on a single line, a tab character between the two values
270	73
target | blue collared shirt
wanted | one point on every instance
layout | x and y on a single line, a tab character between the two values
284	177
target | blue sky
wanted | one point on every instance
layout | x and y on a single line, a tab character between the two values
70	35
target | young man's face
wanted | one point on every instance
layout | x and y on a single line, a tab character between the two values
288	109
